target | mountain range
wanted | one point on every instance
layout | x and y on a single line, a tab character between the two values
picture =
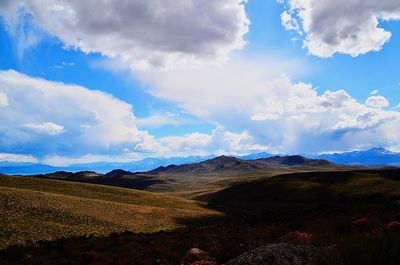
205	175
20	168
373	157
233	165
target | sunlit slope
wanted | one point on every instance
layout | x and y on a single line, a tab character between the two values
42	209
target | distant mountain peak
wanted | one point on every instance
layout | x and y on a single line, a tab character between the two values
223	157
380	150
376	157
256	156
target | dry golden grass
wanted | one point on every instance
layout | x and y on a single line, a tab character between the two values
41	209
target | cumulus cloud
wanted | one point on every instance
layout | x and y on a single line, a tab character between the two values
77	119
377	102
61	124
341	26
276	112
220	141
142	33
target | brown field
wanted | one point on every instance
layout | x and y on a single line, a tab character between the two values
41	209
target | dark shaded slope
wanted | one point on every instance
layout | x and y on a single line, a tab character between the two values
316	187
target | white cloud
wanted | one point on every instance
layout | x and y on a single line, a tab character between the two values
49	128
224	90
58	160
159	120
274	111
374	92
220	141
64	64
84	128
341	26
67	64
81	118
3	100
20	27
377	102
17	158
142	33
289	22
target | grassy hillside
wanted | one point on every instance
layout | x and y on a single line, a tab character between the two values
33	209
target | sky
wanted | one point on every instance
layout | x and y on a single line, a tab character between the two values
87	81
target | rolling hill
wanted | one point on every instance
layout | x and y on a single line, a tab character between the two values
350	213
373	185
195	178
214	174
218	165
227	165
33	209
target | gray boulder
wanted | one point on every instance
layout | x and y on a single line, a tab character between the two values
278	254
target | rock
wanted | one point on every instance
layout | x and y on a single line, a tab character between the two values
361	224
278	254
393	226
296	237
196	256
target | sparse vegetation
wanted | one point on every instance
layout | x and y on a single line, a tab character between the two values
342	212
40	209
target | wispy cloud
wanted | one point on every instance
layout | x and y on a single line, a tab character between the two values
17	158
64	64
374	92
49	128
159	120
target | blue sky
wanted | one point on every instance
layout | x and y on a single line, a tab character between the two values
220	77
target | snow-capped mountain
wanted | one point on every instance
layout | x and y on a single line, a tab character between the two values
374	156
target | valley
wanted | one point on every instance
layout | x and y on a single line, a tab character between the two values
225	205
